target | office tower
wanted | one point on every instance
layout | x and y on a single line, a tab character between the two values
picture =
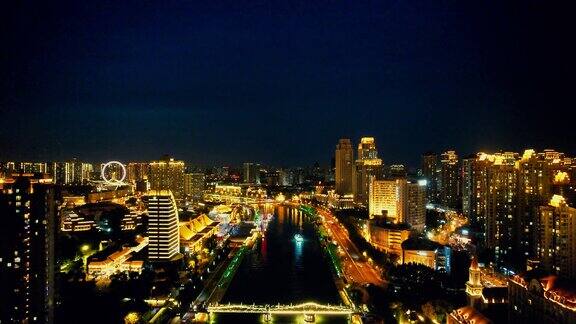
415	204
194	184
27	258
167	174
137	171
556	238
344	162
251	173
430	174
449	180
162	225
368	166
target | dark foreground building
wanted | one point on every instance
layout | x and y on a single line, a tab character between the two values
27	250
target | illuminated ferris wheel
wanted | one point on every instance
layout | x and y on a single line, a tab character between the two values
113	173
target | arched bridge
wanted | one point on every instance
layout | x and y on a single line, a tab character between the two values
305	308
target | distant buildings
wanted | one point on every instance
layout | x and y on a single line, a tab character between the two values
344	161
162	225
167	174
251	173
27	254
194	185
430	174
449	180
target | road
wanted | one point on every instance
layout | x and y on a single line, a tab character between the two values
355	266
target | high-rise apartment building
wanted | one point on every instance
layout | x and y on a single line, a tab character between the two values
449	180
344	163
415	204
167	174
137	171
163	232
368	166
27	259
556	238
502	226
194	184
475	186
430	174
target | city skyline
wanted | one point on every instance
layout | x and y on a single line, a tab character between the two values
232	83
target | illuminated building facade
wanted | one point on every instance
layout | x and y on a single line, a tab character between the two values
423	251
449	180
368	166
388	237
535	297
27	258
167	174
485	287
556	242
387	199
398	201
344	163
193	233
163	230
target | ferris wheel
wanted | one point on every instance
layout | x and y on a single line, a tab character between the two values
113	173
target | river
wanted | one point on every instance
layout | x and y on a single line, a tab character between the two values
283	271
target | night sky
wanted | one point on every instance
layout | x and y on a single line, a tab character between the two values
280	82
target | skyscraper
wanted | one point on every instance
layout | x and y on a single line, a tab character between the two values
475	188
27	258
430	173
163	230
167	174
368	166
415	204
449	180
344	160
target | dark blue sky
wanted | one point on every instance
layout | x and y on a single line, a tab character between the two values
280	81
